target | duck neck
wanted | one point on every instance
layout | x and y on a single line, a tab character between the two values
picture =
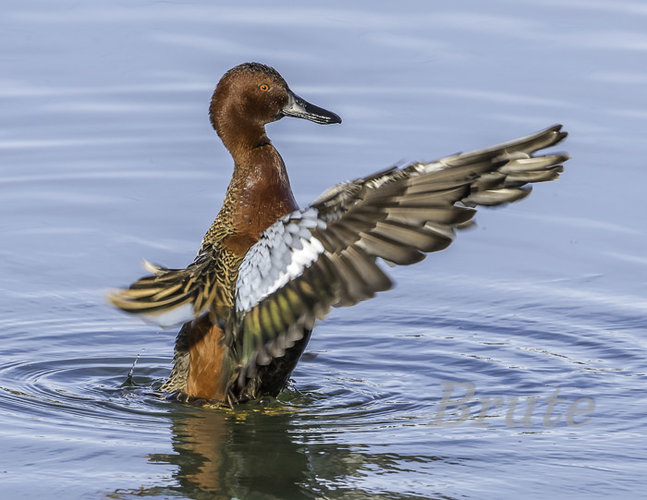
259	191
241	136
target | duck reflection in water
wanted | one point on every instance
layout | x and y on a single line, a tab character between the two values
267	270
237	455
266	453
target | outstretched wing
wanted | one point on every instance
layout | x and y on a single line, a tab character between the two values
325	255
170	297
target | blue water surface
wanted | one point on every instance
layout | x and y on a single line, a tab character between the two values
534	321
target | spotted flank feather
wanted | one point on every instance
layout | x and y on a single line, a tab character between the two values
324	256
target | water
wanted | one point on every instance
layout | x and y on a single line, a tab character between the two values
107	158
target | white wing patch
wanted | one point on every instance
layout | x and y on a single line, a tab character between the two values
282	253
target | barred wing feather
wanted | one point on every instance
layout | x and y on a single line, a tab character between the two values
325	255
170	297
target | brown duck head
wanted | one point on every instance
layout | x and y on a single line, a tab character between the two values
252	94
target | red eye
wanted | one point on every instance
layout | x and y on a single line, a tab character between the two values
264	87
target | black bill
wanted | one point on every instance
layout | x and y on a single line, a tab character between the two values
300	108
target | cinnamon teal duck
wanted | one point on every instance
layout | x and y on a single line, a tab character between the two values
267	270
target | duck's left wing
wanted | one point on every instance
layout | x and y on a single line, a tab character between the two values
325	256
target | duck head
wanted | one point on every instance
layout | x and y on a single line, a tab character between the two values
251	95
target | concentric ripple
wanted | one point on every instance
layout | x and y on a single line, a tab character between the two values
85	390
369	392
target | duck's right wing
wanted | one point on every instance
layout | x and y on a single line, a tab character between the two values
171	297
325	255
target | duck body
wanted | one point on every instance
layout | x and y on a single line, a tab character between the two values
266	271
258	194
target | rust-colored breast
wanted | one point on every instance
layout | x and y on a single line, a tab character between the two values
264	193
